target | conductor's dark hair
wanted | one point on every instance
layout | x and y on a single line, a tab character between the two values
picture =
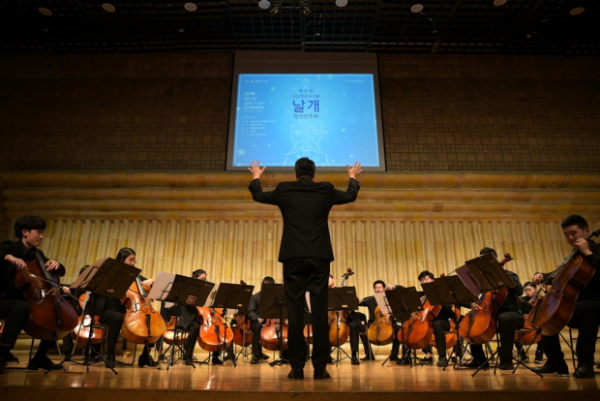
124	253
305	167
575	220
198	273
28	223
269	280
487	250
426	273
379	282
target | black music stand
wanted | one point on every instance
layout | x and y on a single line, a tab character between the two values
449	290
273	306
402	302
109	278
232	296
179	290
338	299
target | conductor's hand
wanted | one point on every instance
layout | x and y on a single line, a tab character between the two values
355	170
255	169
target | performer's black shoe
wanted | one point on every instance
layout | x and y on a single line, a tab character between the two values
476	365
561	369
110	361
146	360
368	358
216	360
584	371
255	360
264	357
43	363
188	360
354	361
296	374
442	361
321	374
507	365
427	359
393	357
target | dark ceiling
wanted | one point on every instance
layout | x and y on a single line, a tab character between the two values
443	26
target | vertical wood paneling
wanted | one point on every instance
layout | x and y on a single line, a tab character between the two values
394	251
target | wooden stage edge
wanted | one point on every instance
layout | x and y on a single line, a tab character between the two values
261	382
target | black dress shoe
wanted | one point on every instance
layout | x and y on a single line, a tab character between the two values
508	365
254	360
393	357
321	374
427	359
402	361
43	363
442	362
584	371
110	361
561	369
264	357
476	365
368	358
296	374
217	361
354	361
146	360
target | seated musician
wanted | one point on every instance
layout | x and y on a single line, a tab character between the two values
354	324
371	303
188	320
441	324
111	310
529	289
586	315
256	324
14	309
509	320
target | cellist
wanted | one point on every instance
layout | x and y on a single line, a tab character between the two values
441	324
111	312
509	320
256	324
14	309
371	303
586	315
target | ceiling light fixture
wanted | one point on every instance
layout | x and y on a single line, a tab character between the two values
191	7
577	11
341	3
416	8
109	8
304	7
45	11
264	4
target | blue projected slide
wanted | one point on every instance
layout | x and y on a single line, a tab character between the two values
330	118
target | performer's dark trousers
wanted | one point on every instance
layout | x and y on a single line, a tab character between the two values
299	276
114	321
508	323
256	327
586	318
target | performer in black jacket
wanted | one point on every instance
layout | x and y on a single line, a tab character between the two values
14	309
306	253
257	324
586	316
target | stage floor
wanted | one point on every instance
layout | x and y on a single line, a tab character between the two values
254	382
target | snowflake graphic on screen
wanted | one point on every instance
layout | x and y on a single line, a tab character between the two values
241	152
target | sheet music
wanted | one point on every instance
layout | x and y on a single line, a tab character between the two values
162	285
382	302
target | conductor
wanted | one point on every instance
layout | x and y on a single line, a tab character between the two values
306	253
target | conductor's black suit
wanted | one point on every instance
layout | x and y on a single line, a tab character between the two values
306	253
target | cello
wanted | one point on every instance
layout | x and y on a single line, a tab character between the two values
339	331
142	324
381	331
51	317
417	332
269	334
564	285
214	335
479	325
85	323
242	332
